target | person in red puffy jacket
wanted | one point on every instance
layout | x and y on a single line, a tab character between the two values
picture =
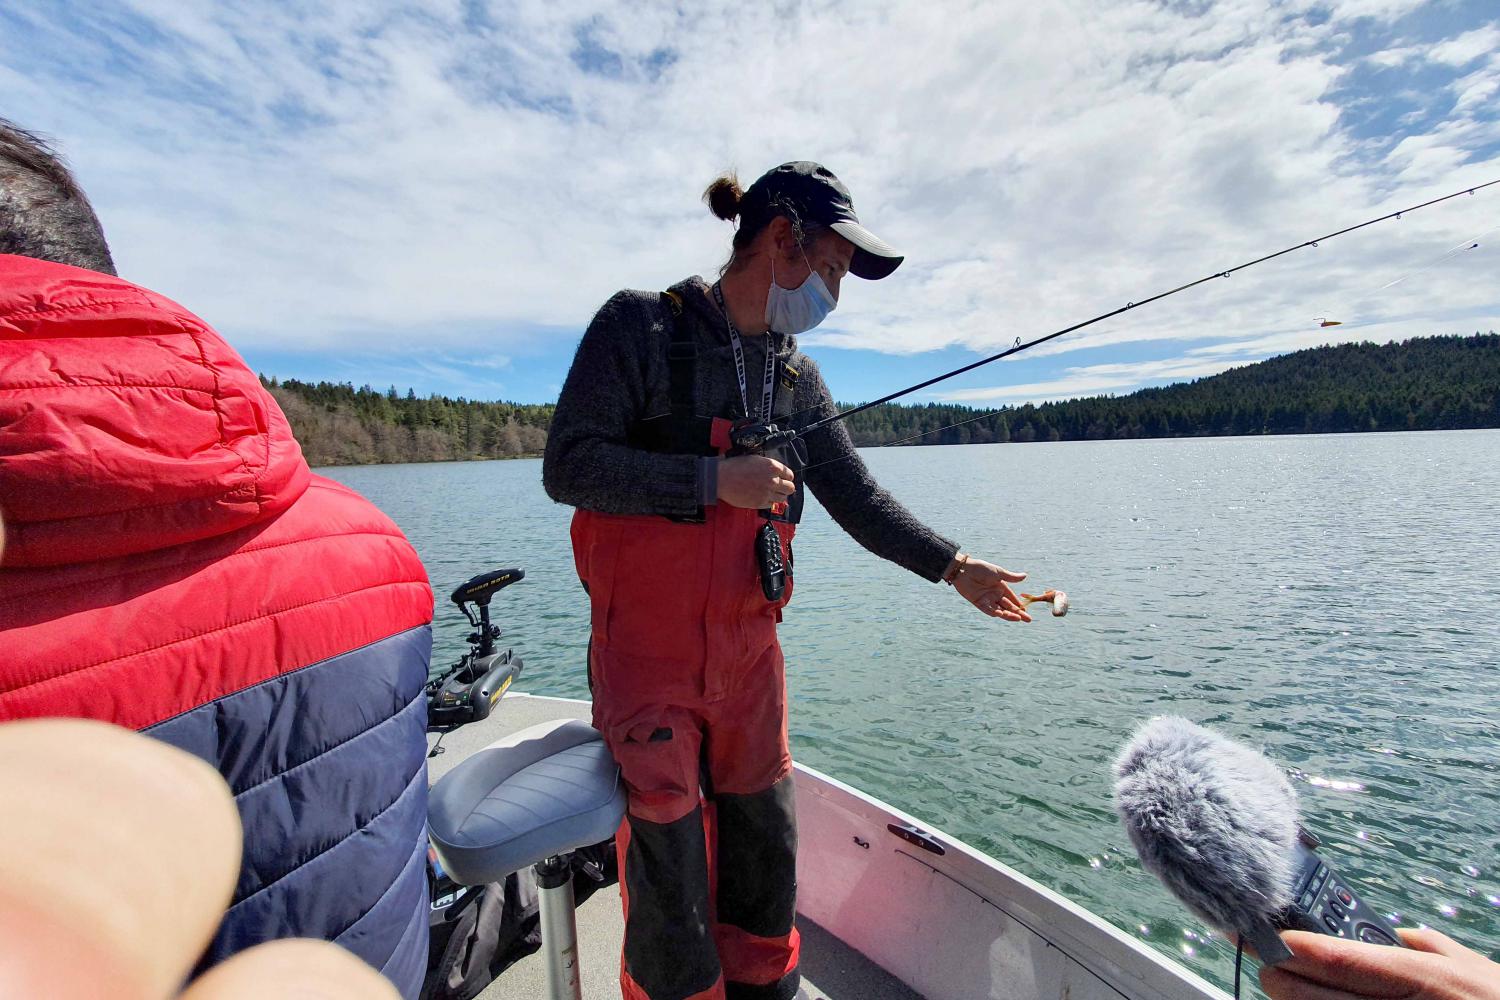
173	566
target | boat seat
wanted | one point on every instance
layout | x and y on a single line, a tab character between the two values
538	793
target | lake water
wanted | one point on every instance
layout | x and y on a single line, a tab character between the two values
1332	599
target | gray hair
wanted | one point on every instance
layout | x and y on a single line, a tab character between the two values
43	212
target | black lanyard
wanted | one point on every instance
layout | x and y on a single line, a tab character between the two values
768	389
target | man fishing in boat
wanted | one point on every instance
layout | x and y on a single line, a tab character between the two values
682	570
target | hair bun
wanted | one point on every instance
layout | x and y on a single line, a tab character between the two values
723	197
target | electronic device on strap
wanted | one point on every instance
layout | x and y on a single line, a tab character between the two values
768	558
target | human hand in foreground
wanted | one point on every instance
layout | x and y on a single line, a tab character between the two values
117	857
987	587
754	481
1432	967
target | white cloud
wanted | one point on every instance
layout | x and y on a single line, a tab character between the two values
411	179
1466	48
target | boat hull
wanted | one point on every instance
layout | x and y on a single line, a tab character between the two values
959	925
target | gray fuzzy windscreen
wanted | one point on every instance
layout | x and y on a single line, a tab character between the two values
1213	819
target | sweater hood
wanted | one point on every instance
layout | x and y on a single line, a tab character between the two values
126	423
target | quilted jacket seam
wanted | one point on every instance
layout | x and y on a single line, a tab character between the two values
419	851
290	673
71	671
218	399
333	846
202	560
95	515
239	793
91	304
150	506
33	386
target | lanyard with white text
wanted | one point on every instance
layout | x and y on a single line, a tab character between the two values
768	389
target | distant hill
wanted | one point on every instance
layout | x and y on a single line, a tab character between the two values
1428	383
338	424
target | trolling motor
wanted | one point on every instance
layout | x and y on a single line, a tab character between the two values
468	690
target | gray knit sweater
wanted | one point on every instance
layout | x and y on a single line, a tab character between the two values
620	376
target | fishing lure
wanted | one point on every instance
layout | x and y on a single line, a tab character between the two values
1057	598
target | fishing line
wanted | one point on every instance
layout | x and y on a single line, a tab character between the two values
986	415
1472	243
1020	345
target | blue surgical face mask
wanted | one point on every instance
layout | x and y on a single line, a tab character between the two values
797	310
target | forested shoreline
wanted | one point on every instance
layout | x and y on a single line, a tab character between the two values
1428	383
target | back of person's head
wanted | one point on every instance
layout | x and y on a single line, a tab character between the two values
43	212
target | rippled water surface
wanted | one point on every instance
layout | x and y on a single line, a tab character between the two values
1333	599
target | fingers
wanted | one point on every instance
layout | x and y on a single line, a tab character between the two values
997	605
308	970
119	856
754	481
1010	577
783	480
1281	985
1428	940
1365	970
1011	603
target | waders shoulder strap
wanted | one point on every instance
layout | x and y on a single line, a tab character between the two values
681	431
682	362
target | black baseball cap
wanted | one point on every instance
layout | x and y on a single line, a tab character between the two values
812	192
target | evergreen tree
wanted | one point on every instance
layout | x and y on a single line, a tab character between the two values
1428	383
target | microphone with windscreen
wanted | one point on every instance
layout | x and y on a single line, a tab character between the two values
1217	823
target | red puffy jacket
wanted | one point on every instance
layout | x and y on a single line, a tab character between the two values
172	565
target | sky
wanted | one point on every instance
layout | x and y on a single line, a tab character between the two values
440	195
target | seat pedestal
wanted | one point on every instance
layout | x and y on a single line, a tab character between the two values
554	880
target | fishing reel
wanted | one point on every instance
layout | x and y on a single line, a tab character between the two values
754	437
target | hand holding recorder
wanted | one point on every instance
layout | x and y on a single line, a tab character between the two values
1432	966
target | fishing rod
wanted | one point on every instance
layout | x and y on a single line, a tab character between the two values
1472	243
756	437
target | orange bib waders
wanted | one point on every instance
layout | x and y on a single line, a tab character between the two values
689	692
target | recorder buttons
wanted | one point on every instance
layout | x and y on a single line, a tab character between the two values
1370	934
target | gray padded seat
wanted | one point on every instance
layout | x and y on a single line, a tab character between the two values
543	791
